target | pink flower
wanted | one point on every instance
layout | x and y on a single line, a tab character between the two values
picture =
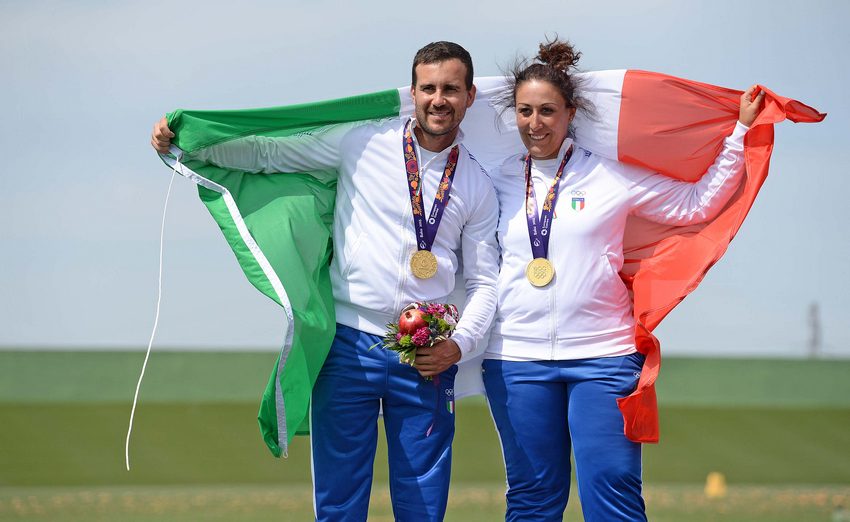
398	336
422	336
436	309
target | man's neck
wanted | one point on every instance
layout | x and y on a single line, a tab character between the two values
434	143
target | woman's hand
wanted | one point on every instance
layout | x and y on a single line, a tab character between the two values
750	106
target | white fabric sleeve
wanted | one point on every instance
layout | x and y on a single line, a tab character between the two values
673	202
319	149
480	253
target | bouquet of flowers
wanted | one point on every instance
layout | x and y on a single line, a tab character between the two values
420	325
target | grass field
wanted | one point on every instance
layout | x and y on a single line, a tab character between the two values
467	503
778	431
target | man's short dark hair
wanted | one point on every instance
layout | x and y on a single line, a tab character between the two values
436	52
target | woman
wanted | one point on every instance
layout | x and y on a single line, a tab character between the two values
562	349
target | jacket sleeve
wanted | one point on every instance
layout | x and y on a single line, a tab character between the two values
318	149
480	254
673	202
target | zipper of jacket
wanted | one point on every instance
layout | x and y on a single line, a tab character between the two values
405	252
553	321
401	278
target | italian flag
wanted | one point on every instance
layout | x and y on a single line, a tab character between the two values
279	226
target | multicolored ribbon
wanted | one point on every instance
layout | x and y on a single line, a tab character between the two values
538	228
426	230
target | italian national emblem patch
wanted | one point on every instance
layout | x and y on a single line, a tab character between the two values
578	204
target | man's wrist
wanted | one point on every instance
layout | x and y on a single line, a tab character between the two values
463	343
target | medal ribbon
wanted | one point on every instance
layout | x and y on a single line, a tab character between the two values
426	230
538	228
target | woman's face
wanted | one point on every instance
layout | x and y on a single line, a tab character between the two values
542	117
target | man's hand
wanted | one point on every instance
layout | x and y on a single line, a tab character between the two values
161	136
750	106
437	359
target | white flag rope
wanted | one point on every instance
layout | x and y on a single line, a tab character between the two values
176	166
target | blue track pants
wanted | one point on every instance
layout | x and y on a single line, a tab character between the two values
542	409
353	385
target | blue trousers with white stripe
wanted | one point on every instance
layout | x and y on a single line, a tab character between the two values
355	382
542	409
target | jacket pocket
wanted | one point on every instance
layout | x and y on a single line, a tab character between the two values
615	288
351	255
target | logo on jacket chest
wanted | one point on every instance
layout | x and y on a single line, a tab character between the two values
578	199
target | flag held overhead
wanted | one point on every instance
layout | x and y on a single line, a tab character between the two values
279	226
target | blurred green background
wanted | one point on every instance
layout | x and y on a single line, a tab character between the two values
778	430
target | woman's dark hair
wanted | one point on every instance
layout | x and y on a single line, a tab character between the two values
555	63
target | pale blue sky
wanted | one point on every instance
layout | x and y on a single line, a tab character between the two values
82	192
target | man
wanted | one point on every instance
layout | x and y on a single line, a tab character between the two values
395	242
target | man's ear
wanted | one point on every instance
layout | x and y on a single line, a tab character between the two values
471	96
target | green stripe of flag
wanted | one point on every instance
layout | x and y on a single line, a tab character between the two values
288	218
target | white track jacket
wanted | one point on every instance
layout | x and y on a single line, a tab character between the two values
586	310
373	231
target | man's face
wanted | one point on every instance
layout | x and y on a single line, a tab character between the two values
440	98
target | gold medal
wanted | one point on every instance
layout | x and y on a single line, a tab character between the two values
539	271
423	264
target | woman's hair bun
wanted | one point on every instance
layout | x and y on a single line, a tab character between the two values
559	54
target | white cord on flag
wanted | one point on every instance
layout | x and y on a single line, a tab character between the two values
156	318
